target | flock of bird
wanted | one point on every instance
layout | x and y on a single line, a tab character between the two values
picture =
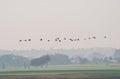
59	40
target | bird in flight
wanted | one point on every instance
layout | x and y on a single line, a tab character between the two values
29	39
105	36
25	40
20	40
84	38
48	40
94	37
41	39
59	39
64	38
78	39
89	38
71	39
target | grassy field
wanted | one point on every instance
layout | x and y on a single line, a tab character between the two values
83	71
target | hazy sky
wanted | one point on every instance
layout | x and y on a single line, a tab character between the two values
22	19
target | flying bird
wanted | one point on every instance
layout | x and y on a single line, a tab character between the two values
78	39
48	40
64	38
94	37
55	39
89	38
85	39
25	40
71	39
20	40
74	39
41	39
59	40
29	39
105	36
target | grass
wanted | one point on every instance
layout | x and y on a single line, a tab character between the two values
69	67
106	70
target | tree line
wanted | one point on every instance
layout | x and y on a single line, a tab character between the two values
11	60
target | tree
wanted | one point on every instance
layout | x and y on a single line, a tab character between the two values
97	58
80	60
59	59
3	66
42	61
83	61
13	60
117	55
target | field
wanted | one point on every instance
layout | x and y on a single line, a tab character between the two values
63	72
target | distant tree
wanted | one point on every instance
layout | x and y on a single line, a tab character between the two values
25	65
13	60
97	58
84	61
110	58
59	59
80	60
117	55
42	61
3	66
107	60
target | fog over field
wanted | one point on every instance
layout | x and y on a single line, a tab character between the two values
70	52
49	19
59	39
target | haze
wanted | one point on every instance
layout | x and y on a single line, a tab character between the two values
35	19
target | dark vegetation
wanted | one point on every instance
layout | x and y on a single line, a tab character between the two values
61	66
41	61
7	61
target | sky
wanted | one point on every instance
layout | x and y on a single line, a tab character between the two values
48	19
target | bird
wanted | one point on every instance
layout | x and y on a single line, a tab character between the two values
64	38
41	39
29	39
55	39
85	39
78	39
94	37
71	39
25	40
48	40
74	39
58	38
89	38
105	36
20	40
